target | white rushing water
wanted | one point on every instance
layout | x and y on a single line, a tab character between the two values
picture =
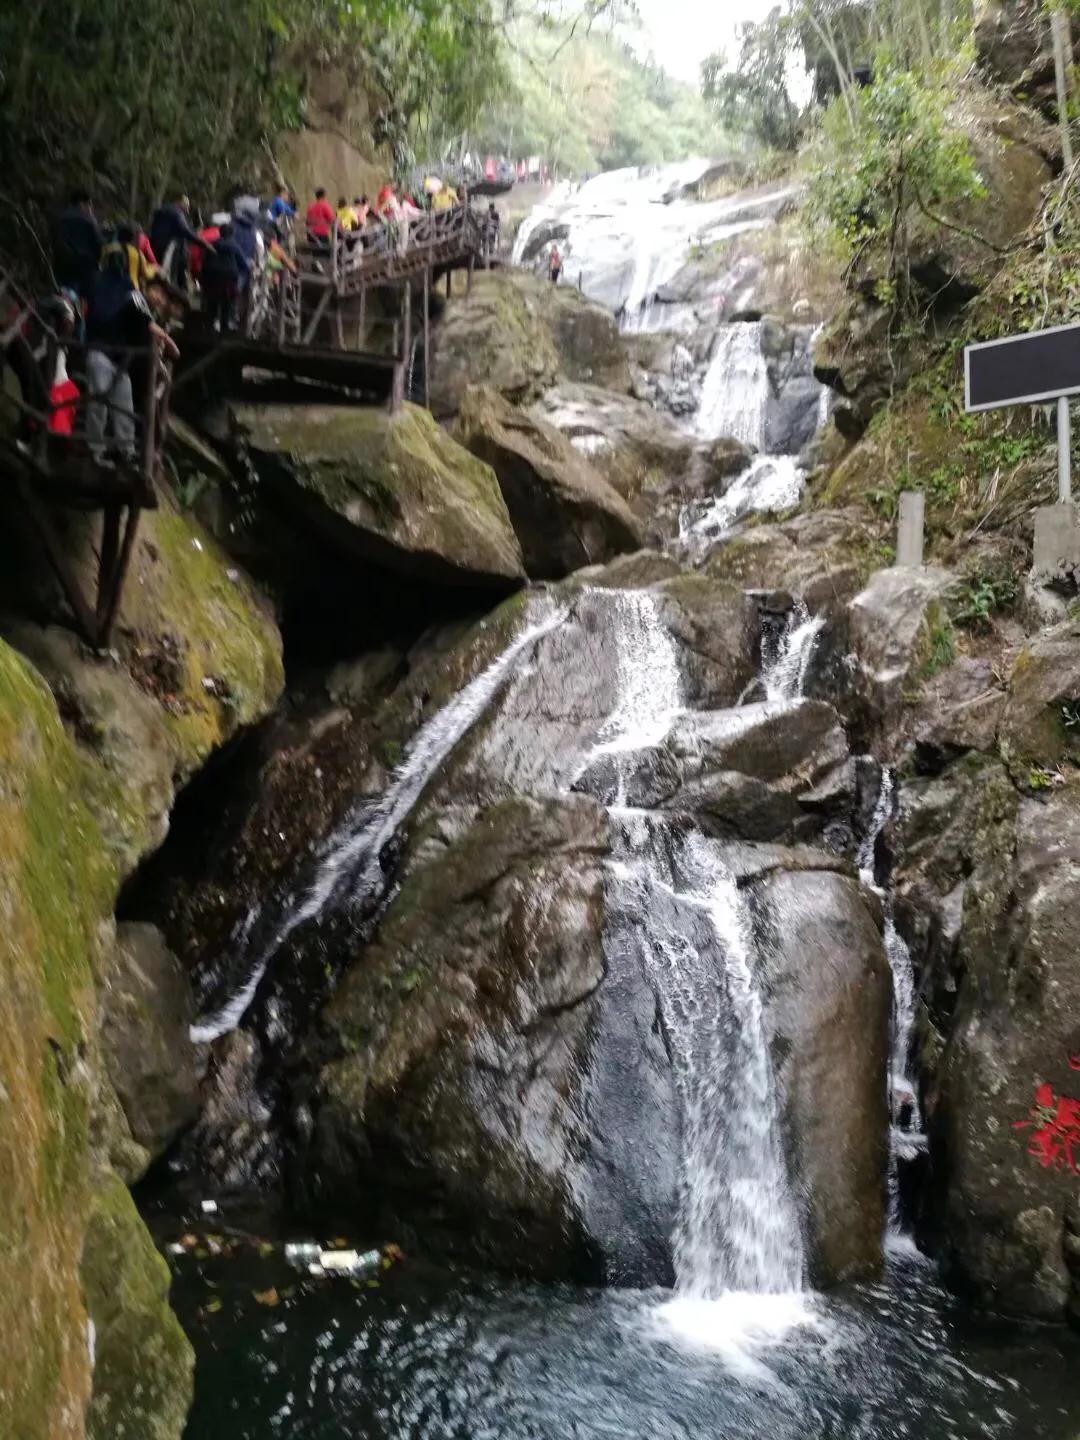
626	233
649	684
737	1245
906	1138
769	483
786	659
353	856
735	394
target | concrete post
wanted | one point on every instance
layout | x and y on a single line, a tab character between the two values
1064	439
909	531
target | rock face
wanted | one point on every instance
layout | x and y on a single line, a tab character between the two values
828	995
149	1057
991	903
518	334
492	1053
57	887
899	633
392	490
89	775
565	514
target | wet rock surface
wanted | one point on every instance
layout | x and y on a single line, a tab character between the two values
565	513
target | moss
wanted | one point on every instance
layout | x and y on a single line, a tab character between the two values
396	480
56	886
227	636
143	1375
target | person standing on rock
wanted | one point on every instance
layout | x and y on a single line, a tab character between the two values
554	265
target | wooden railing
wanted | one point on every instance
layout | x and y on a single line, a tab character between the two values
77	464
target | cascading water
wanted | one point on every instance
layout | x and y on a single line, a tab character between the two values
736	387
906	1138
353	855
737	1228
786	657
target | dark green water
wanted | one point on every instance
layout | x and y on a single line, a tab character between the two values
436	1355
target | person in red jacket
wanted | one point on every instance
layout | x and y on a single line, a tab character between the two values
320	219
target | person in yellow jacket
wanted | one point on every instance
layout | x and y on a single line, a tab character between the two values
139	268
347	217
444	199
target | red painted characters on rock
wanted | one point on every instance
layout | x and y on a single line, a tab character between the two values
1054	1122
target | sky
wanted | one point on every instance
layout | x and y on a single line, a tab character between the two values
680	33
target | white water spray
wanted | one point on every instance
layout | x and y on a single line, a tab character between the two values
906	1138
736	388
786	660
355	850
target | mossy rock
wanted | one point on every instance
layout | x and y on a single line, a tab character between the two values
56	885
395	491
144	1365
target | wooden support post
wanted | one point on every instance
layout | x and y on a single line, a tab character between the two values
320	311
468	282
363	316
340	325
58	560
110	549
427	338
107	617
449	284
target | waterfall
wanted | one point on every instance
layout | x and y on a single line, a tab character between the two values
736	387
737	1228
770	482
906	1138
649	684
354	853
786	659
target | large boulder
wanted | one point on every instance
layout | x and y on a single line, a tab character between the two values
900	635
603	423
395	491
565	514
519	334
459	1032
776	773
828	994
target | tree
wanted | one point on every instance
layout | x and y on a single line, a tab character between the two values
897	158
753	98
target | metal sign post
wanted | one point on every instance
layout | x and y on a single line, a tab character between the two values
1031	369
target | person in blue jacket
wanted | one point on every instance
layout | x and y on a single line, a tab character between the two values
225	270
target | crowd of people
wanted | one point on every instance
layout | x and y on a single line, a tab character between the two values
120	288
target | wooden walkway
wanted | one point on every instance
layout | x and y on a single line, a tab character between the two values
66	471
315	324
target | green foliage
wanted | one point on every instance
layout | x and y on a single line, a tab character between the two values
987	593
586	103
753	98
937	646
140	97
885	158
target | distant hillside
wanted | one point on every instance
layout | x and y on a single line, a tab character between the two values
588	104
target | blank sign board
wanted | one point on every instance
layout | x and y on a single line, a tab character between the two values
1023	369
